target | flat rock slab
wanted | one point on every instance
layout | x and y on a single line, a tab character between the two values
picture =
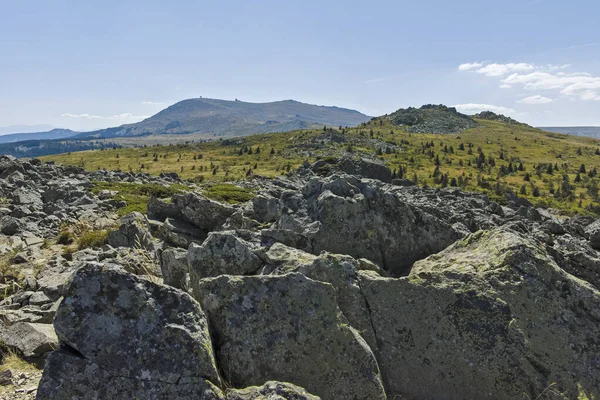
32	340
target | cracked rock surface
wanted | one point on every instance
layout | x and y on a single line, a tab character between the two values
333	286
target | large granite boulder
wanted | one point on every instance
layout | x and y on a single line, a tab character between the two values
367	168
202	212
287	328
134	231
491	317
174	267
32	341
345	215
222	253
179	233
124	337
340	271
593	233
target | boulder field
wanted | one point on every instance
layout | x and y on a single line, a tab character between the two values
329	286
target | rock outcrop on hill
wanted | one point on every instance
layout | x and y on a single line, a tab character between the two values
333	287
431	118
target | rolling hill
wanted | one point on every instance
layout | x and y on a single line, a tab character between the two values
48	135
223	118
501	158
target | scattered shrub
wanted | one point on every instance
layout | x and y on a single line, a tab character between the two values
92	239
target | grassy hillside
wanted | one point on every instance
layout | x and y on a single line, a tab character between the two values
494	157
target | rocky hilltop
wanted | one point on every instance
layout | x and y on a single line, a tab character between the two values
431	118
333	282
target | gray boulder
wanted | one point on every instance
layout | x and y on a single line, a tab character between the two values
166	353
338	270
265	208
222	253
593	233
367	168
160	210
179	233
287	328
364	219
492	316
53	279
174	267
32	341
134	231
205	214
68	376
201	211
10	225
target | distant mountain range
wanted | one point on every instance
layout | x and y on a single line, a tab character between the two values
5	130
589	131
49	135
223	118
205	118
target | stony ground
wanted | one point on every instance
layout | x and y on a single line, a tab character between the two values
19	385
335	281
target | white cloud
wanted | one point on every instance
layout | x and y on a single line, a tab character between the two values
473	108
469	66
504	69
581	85
112	117
86	116
153	103
537	99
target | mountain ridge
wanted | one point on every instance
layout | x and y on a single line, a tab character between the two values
222	118
56	133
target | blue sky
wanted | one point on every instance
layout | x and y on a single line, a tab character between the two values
92	64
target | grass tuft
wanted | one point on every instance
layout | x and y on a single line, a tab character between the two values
229	193
137	195
92	239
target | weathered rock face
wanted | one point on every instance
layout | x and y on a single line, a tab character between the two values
134	231
205	214
179	233
593	232
33	341
166	353
366	168
491	317
339	270
293	290
287	328
174	267
68	376
222	253
345	215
